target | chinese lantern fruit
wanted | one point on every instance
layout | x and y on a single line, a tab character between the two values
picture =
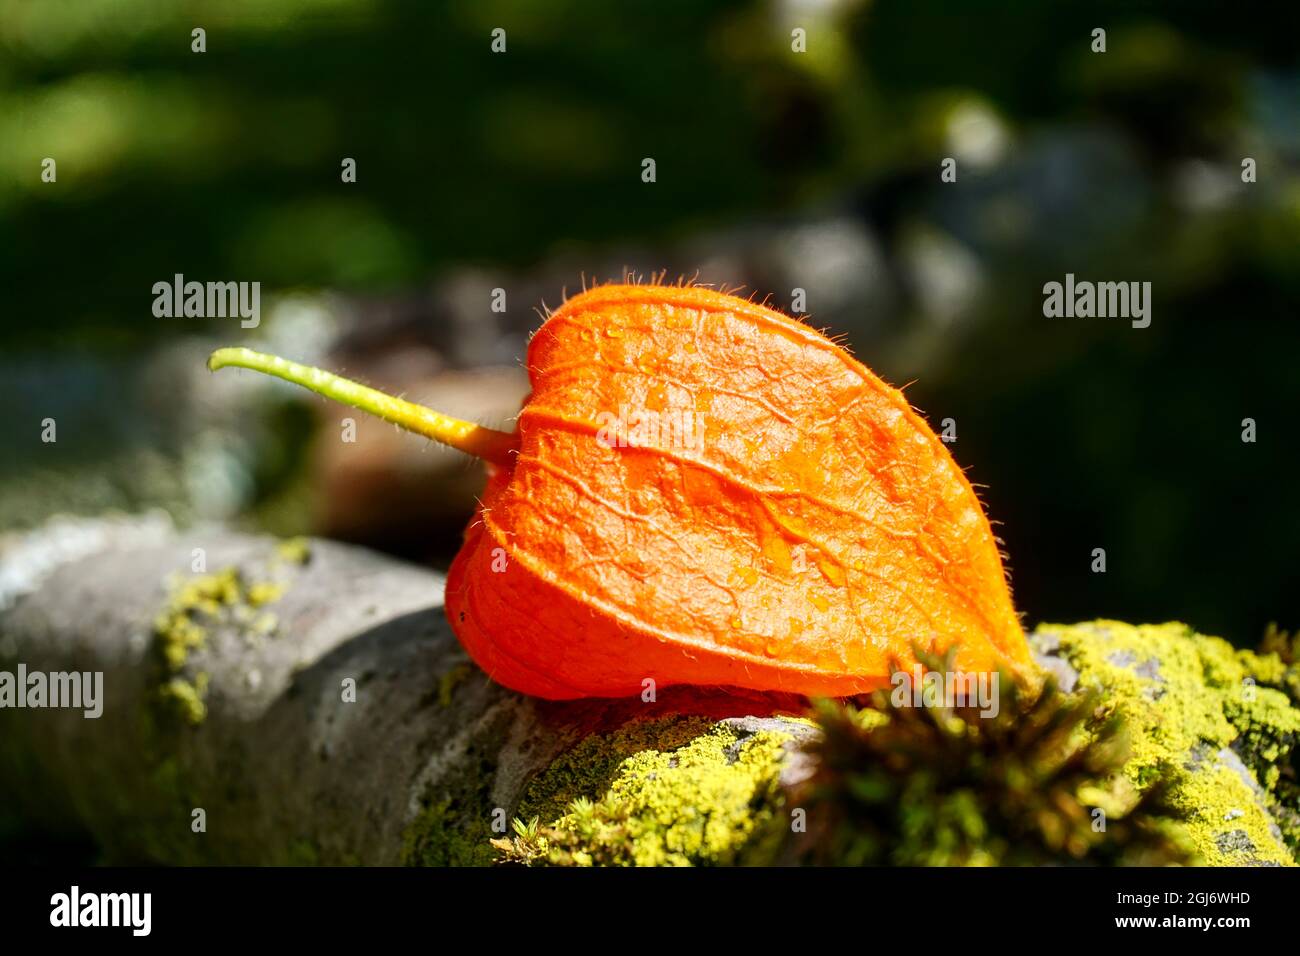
703	491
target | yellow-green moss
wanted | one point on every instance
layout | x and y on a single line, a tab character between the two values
450	832
186	698
1193	705
294	550
934	786
454	824
195	604
450	680
675	792
303	852
1206	721
263	592
179	628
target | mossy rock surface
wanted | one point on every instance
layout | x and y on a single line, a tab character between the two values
661	793
1214	719
314	701
1211	723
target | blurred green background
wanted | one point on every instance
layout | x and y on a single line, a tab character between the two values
776	170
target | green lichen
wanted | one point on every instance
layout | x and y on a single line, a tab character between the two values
1284	649
1200	714
1284	645
450	680
454	820
181	629
1182	741
449	832
303	852
186	698
294	550
196	604
263	592
669	792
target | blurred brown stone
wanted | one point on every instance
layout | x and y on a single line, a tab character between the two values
399	492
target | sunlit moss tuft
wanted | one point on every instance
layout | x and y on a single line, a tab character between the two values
656	793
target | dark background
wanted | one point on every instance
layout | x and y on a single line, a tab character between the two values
775	170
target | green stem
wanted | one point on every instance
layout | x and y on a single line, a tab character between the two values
476	440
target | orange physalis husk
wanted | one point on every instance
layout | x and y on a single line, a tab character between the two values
704	491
